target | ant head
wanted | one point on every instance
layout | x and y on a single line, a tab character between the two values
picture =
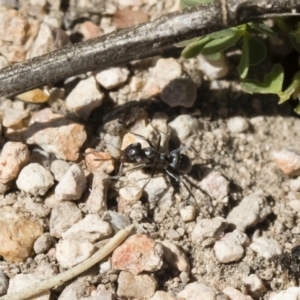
132	153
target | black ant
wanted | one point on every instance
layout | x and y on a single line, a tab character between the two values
174	164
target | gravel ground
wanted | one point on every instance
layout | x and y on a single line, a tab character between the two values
220	233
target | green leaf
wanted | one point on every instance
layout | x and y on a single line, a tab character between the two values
243	67
272	82
294	86
214	56
195	48
262	28
219	45
186	42
257	51
189	3
223	33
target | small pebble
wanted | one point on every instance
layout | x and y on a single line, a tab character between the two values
234	294
3	283
47	40
128	17
97	199
267	248
91	228
17	235
288	161
161	295
215	185
175	257
166	70
117	220
180	92
137	254
112	77
88	29
43	243
213	69
71	252
237	124
63	138
17	34
63	216
13	157
22	281
71	185
12	117
59	168
131	193
136	286
98	161
254	284
292	293
207	231
230	247
35	180
184	126
199	291
251	210
188	213
84	98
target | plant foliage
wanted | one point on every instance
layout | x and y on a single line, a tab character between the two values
254	51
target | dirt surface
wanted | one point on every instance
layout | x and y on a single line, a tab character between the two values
243	158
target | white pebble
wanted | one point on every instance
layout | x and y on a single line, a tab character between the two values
213	69
230	247
295	184
113	77
250	211
161	295
71	185
267	248
166	70
21	281
237	124
292	293
35	179
254	284
84	97
71	252
188	213
184	126
207	231
199	291
131	193
215	185
92	228
63	216
59	168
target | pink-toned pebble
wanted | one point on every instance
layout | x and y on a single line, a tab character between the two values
139	253
13	157
98	161
288	161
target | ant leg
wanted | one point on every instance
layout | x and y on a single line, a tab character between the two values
151	176
117	177
178	179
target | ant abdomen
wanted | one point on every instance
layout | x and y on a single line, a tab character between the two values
180	163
